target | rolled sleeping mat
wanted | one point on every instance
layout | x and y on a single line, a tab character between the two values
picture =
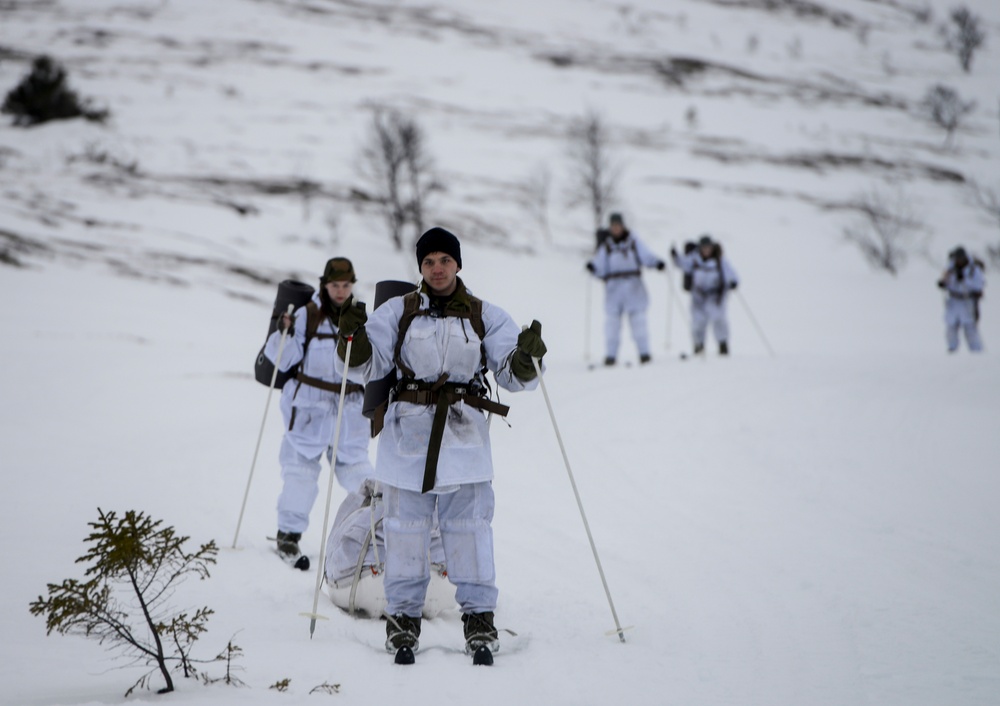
293	292
377	391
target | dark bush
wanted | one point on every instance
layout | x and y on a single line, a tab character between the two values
44	95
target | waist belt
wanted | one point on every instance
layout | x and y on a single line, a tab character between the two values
442	395
618	275
328	386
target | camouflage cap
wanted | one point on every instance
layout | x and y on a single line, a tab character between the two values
338	269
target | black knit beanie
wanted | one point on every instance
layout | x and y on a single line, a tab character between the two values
438	240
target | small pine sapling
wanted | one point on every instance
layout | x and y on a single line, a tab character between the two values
44	94
134	566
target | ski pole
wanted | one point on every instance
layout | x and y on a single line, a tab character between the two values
260	435
579	503
670	307
676	300
586	321
760	332
329	494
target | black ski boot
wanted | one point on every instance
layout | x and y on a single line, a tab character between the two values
481	639
288	550
645	358
723	348
609	361
401	633
699	348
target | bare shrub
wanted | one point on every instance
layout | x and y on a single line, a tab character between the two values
964	36
888	229
988	202
943	107
993	253
395	160
594	174
534	195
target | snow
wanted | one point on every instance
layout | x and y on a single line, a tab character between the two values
814	527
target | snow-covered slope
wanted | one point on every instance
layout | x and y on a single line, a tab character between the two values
815	527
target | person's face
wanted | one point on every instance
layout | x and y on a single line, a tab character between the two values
439	271
339	292
616	229
705	250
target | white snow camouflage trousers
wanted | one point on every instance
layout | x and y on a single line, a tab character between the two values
464	518
625	296
960	314
708	309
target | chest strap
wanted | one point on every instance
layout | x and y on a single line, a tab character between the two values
442	395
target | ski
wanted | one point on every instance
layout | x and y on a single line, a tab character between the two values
483	656
599	366
300	561
296	561
404	655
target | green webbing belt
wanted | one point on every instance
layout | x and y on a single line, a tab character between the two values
442	395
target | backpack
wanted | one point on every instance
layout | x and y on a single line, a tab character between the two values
689	247
297	294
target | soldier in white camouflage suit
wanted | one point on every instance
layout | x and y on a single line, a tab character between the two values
618	261
309	407
434	451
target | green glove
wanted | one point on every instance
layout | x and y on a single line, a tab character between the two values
352	323
352	317
529	345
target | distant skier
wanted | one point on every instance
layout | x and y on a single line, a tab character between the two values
434	451
309	406
618	260
964	283
710	277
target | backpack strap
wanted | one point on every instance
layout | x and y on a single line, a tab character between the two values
314	317
411	310
631	248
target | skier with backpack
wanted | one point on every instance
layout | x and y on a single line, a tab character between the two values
709	277
434	453
309	402
964	282
618	261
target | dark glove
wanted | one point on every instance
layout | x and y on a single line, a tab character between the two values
732	285
352	324
529	345
661	265
352	317
673	252
590	267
